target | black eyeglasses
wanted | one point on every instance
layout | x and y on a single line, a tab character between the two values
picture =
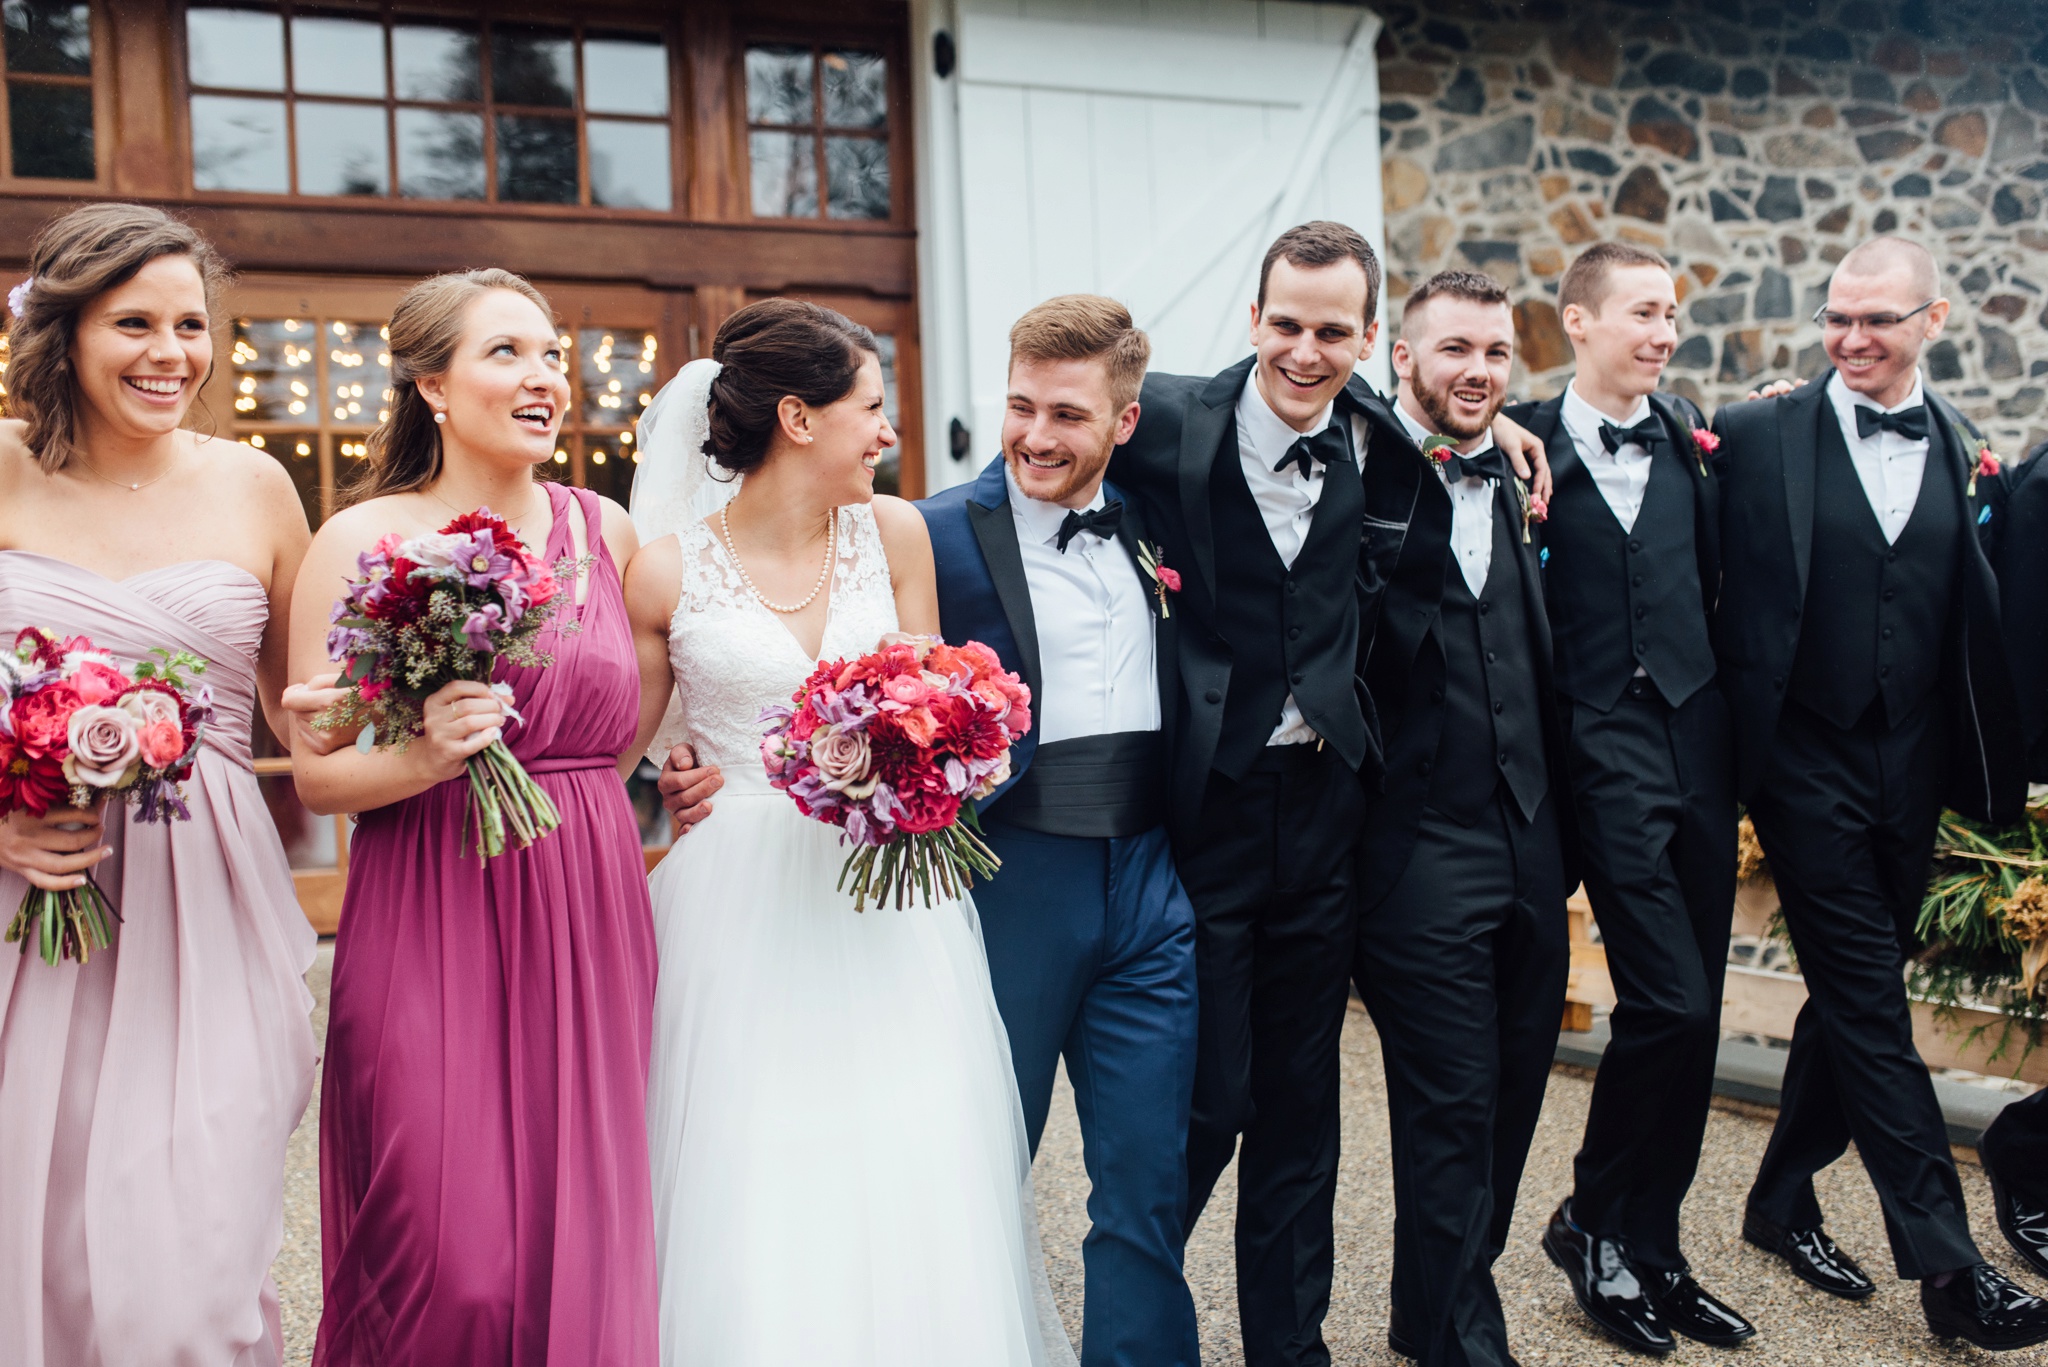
1872	322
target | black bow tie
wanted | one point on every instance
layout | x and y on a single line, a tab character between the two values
1102	521
1910	423
1487	464
1645	434
1311	453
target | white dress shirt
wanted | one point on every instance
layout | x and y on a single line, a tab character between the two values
1887	465
1095	634
1286	499
1471	509
1622	477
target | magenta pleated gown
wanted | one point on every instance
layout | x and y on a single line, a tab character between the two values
484	1184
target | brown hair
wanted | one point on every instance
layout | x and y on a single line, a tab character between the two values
1325	243
76	259
1086	327
1480	289
769	351
1585	280
405	450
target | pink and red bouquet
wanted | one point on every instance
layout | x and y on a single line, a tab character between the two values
425	612
892	748
75	729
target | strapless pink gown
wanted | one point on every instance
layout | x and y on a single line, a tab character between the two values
147	1097
484	1189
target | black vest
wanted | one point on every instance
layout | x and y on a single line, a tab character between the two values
1289	630
1876	616
1493	726
1622	599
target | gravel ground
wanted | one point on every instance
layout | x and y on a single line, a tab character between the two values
1797	1325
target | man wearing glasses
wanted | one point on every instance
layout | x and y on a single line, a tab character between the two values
1858	634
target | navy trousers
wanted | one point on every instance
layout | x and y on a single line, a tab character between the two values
1091	949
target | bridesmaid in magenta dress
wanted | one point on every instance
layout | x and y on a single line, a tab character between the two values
147	1095
483	1145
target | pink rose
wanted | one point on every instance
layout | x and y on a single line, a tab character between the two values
906	690
163	744
843	758
98	683
1170	579
105	744
150	705
1705	440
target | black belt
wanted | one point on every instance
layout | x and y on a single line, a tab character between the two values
1097	787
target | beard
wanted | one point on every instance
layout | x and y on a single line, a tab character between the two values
1082	467
1436	405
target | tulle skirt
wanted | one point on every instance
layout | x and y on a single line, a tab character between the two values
840	1171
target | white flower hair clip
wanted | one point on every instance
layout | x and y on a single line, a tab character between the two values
17	298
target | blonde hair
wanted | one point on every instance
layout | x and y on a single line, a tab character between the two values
404	453
1585	280
76	259
1086	327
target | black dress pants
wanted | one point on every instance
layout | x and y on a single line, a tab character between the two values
1463	968
1654	790
2016	1147
1271	878
1847	820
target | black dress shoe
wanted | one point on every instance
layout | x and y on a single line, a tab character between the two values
1812	1256
1398	1340
1689	1310
2024	1223
1986	1307
1605	1283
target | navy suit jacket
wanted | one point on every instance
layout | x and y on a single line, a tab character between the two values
983	595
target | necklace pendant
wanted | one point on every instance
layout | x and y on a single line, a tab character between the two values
133	487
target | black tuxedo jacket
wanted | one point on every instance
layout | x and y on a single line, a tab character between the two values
2017	542
1184	421
1407	553
1680	418
1766	466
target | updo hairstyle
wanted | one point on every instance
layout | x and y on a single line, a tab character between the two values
75	259
404	453
771	350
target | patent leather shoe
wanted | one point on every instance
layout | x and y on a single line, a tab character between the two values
1399	1340
1986	1307
2023	1222
1812	1256
1606	1285
1689	1309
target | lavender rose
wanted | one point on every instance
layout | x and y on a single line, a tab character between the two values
106	747
148	705
842	757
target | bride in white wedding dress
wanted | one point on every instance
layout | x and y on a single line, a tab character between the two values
840	1170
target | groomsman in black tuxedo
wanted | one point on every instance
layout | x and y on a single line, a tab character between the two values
1859	636
1631	568
1251	481
1461	953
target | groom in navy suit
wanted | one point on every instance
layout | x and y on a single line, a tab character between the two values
1090	938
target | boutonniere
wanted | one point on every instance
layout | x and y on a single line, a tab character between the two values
1164	579
1534	509
1439	448
1987	464
1704	444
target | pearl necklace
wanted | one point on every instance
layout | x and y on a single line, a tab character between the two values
824	571
136	485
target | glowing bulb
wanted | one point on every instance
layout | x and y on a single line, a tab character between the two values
257	441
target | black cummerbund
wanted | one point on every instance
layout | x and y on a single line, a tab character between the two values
1092	786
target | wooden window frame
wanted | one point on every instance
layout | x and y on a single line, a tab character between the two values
820	38
102	116
605	21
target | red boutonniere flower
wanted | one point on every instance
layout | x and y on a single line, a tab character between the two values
1705	443
1534	510
1439	448
1987	464
1165	580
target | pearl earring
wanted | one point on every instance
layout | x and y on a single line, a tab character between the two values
440	415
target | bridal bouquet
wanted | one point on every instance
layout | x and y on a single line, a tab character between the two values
890	747
425	612
75	729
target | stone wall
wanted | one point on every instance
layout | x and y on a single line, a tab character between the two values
1753	144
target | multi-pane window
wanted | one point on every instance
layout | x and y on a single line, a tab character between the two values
49	89
613	374
309	390
818	132
286	101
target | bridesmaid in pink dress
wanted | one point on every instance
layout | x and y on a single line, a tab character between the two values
146	1097
485	1191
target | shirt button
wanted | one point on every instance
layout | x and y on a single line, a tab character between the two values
1423	768
1634	544
1884	671
1483	607
1642	649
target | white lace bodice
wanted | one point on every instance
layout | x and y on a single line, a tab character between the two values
732	657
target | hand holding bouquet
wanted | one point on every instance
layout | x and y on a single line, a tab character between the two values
434	610
890	747
76	728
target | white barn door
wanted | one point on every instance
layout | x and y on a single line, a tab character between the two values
1144	149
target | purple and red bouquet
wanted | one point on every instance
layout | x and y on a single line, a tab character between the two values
892	747
75	729
426	612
